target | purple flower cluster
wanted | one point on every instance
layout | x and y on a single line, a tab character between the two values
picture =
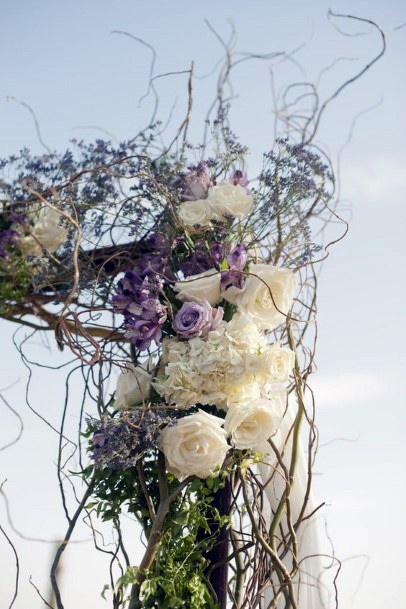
119	443
196	319
9	222
154	258
7	238
237	259
203	258
137	299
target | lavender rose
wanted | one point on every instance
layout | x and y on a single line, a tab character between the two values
196	183
196	319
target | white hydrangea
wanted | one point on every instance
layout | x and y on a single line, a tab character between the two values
226	366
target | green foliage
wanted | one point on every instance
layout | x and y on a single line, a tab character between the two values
118	488
177	577
15	283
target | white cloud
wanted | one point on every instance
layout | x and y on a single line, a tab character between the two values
346	389
376	180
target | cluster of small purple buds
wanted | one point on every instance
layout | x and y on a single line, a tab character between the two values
137	299
119	443
234	276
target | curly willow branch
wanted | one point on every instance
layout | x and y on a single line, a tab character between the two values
112	200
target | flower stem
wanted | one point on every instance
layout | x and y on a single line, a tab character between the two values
153	543
295	442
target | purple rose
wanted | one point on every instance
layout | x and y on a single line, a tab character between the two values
196	183
196	319
237	258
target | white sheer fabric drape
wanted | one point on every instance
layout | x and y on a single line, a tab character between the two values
311	591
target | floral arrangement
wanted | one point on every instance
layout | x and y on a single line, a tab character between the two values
208	355
186	289
202	334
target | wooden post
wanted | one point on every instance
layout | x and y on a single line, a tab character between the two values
219	577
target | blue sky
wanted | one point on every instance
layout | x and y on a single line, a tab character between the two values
62	59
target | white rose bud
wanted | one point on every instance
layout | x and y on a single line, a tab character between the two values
195	446
47	233
266	297
193	213
204	286
133	385
251	422
278	363
228	199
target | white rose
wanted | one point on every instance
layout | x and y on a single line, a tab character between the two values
195	446
267	297
251	422
192	213
278	363
47	233
133	385
227	199
204	286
